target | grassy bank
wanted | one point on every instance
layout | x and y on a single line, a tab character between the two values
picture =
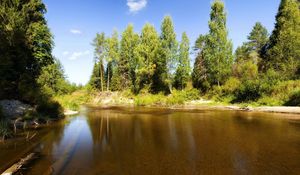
285	94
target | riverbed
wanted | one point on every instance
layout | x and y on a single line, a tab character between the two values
137	140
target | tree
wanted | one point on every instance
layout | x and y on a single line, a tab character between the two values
254	47
258	38
183	70
169	51
100	53
113	56
199	74
147	53
283	50
25	47
53	81
127	63
216	49
95	81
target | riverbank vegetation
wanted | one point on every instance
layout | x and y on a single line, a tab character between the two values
154	66
29	73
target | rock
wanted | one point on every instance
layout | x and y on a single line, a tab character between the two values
14	108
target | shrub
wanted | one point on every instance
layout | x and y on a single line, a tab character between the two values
248	91
74	100
150	99
294	99
50	108
231	86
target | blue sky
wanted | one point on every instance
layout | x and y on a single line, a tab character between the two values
74	23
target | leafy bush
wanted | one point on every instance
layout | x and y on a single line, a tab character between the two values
294	99
74	100
248	91
50	108
150	99
231	86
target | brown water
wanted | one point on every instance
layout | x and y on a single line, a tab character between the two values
159	141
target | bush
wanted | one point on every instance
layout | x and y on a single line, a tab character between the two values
50	108
74	100
248	91
150	99
231	86
294	99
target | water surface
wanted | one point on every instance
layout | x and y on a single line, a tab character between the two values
161	141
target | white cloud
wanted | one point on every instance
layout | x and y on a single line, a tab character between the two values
75	31
76	55
136	5
65	53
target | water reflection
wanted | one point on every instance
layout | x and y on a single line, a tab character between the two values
159	141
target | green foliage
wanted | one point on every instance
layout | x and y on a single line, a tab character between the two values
25	45
147	54
168	58
112	58
49	109
283	50
149	99
215	51
294	99
182	74
128	62
100	52
52	80
176	98
74	100
258	38
182	96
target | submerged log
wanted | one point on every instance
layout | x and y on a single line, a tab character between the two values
17	166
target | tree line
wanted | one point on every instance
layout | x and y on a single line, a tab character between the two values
158	62
28	70
146	61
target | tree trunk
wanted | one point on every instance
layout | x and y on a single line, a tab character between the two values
101	76
107	79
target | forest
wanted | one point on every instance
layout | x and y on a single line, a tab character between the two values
152	67
265	70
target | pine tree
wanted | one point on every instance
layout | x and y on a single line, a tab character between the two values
283	50
169	52
183	70
127	63
147	54
258	38
254	47
199	74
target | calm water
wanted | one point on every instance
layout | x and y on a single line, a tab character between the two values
146	141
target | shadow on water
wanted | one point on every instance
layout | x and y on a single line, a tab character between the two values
163	141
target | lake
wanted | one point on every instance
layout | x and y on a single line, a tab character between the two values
135	141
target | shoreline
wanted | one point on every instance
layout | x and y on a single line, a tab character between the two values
264	109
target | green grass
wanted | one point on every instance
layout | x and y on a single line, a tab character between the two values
74	100
176	98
